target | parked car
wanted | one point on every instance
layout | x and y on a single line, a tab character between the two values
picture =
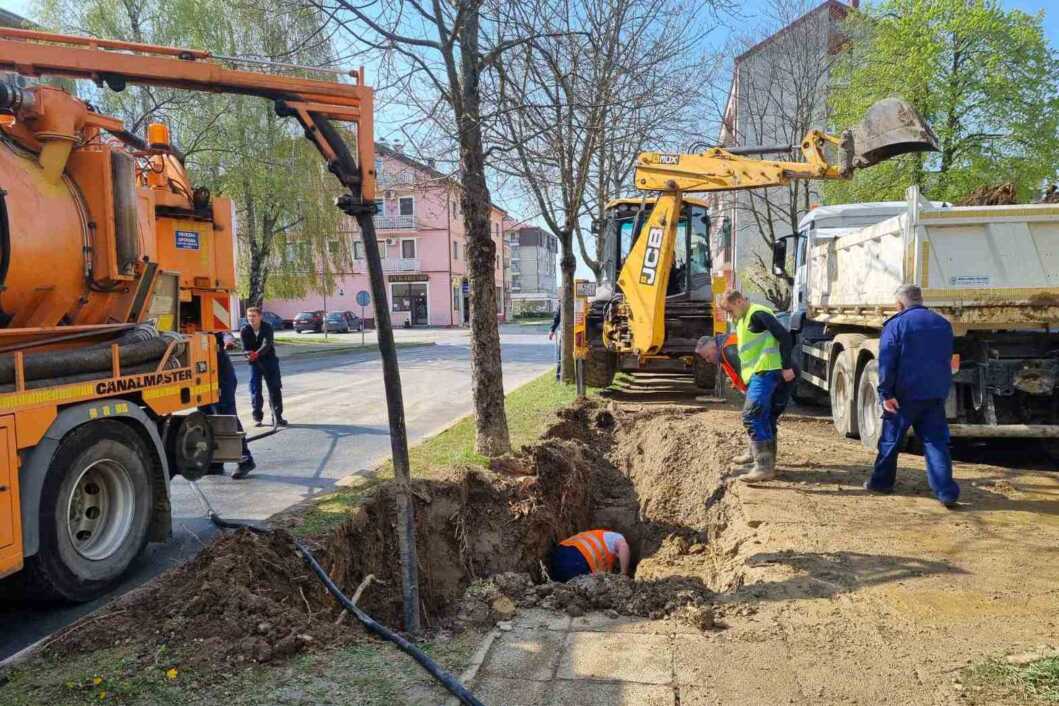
273	320
343	322
309	321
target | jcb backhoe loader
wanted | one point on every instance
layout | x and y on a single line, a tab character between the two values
654	302
114	270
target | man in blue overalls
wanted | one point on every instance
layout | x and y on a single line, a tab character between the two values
915	373
226	403
260	345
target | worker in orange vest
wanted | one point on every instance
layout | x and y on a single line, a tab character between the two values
590	552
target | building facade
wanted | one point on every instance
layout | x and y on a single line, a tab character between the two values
423	244
778	92
534	274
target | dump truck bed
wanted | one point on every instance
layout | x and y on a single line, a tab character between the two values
983	267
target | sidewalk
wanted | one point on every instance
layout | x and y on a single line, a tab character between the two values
543	658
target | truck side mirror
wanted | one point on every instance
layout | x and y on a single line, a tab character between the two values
779	258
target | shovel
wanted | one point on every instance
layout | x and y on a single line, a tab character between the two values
890	128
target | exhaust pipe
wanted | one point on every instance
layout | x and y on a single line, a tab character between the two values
890	128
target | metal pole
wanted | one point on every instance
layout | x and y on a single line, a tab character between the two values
362	326
579	377
325	315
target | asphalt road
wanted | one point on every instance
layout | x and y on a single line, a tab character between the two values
337	410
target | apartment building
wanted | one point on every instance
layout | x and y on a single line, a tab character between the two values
423	244
534	270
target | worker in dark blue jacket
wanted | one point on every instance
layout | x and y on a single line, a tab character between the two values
226	404
915	373
556	320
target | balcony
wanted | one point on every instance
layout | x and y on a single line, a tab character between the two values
395	222
400	264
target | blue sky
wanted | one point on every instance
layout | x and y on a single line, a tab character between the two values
749	14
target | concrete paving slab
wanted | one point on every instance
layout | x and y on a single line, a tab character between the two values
498	691
531	654
538	618
594	693
734	671
601	622
629	657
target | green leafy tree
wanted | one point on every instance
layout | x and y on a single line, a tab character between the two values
289	231
985	79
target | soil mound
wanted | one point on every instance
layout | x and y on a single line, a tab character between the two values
673	597
996	195
245	598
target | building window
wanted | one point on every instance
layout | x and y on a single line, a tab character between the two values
408	249
358	250
455	298
498	262
404	296
407	206
334	249
455	250
496	229
453	209
380	207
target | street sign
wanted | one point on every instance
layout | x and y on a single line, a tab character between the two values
466	287
363	298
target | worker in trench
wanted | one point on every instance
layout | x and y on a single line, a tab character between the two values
723	351
765	367
590	552
259	342
915	374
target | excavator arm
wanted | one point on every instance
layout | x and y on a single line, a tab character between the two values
891	127
314	103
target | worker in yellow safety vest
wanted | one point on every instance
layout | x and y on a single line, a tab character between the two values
765	366
590	552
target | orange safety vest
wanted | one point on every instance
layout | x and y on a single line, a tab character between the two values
592	547
736	378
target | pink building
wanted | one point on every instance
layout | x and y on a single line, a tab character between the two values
423	246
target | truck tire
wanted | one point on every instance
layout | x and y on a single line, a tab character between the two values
843	397
869	407
96	507
600	367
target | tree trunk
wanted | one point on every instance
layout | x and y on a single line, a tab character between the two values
487	378
567	265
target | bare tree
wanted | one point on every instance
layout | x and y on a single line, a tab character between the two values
441	49
778	91
590	77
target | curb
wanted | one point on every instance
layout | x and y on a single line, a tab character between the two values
314	351
477	660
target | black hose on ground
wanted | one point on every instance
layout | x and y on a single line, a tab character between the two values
447	680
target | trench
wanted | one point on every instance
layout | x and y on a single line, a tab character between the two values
656	477
482	539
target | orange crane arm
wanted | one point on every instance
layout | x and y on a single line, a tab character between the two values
313	102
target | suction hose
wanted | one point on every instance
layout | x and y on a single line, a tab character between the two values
446	679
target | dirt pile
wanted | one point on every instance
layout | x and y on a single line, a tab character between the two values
245	598
995	195
674	597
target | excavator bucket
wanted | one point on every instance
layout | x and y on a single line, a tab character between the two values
890	128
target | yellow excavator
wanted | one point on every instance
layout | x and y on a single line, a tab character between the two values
655	297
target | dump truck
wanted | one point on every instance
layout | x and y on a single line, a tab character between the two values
654	302
992	271
115	274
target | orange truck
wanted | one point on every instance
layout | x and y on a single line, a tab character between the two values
115	273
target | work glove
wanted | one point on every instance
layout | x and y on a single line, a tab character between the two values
253	356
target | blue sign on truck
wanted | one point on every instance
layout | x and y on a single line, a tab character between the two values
187	240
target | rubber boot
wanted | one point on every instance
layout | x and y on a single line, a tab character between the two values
747	457
775	454
764	463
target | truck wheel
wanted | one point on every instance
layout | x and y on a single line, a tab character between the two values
600	367
869	408
843	407
96	507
